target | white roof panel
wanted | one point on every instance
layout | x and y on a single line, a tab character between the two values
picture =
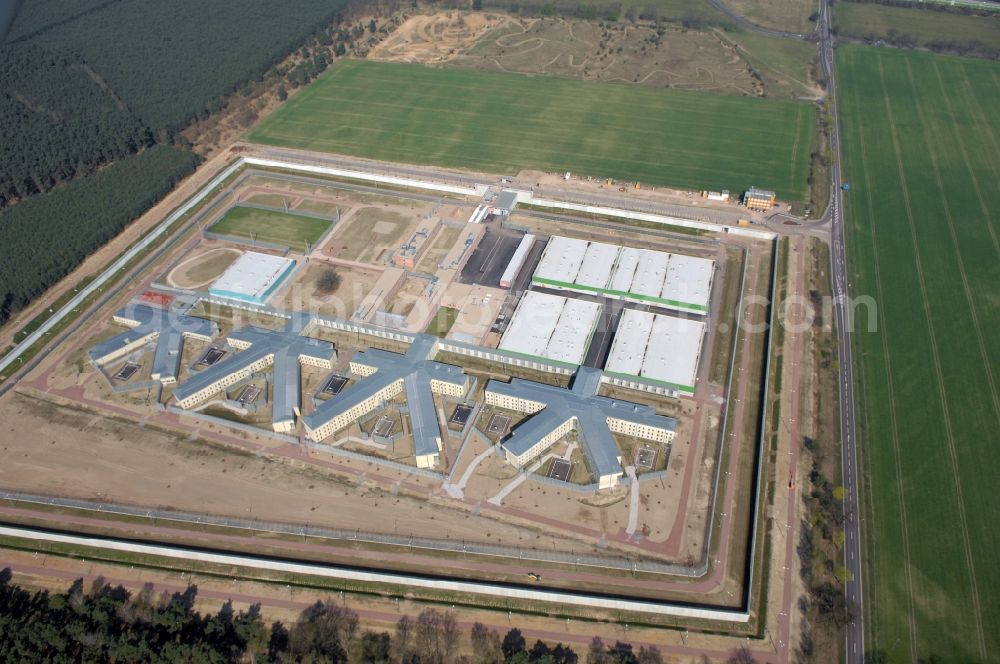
629	347
532	325
598	263
689	280
628	261
650	273
551	326
673	350
571	337
561	259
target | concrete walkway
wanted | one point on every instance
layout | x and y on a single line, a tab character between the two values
457	490
517	481
633	509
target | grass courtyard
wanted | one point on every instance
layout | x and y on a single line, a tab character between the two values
922	149
296	231
499	122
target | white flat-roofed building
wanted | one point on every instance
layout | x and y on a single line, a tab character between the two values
571	336
517	261
253	277
673	281
532	324
551	327
598	266
661	349
631	339
560	262
688	285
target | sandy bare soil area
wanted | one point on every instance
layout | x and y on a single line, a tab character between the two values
51	449
656	56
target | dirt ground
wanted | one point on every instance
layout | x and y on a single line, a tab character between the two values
656	56
51	449
203	268
436	37
442	245
478	307
369	233
356	282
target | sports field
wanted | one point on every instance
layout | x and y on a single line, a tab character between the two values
295	231
498	122
922	144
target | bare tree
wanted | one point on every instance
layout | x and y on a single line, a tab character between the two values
402	643
485	645
328	281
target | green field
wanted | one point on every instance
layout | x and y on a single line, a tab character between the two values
442	322
504	122
295	231
871	21
922	148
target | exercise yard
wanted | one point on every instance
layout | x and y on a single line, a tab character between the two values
293	230
506	122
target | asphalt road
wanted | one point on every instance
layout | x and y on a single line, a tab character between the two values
855	636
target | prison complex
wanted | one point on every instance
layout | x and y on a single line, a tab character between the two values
556	411
386	375
668	280
148	324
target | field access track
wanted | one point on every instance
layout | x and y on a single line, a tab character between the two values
921	137
505	122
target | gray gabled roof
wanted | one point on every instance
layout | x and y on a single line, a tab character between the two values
506	200
286	346
169	327
591	411
416	371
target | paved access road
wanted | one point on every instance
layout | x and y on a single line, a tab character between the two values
855	637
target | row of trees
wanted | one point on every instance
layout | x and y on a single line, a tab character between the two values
693	17
822	536
108	624
44	237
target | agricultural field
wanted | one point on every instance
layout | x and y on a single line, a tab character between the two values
914	27
295	231
922	148
467	119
